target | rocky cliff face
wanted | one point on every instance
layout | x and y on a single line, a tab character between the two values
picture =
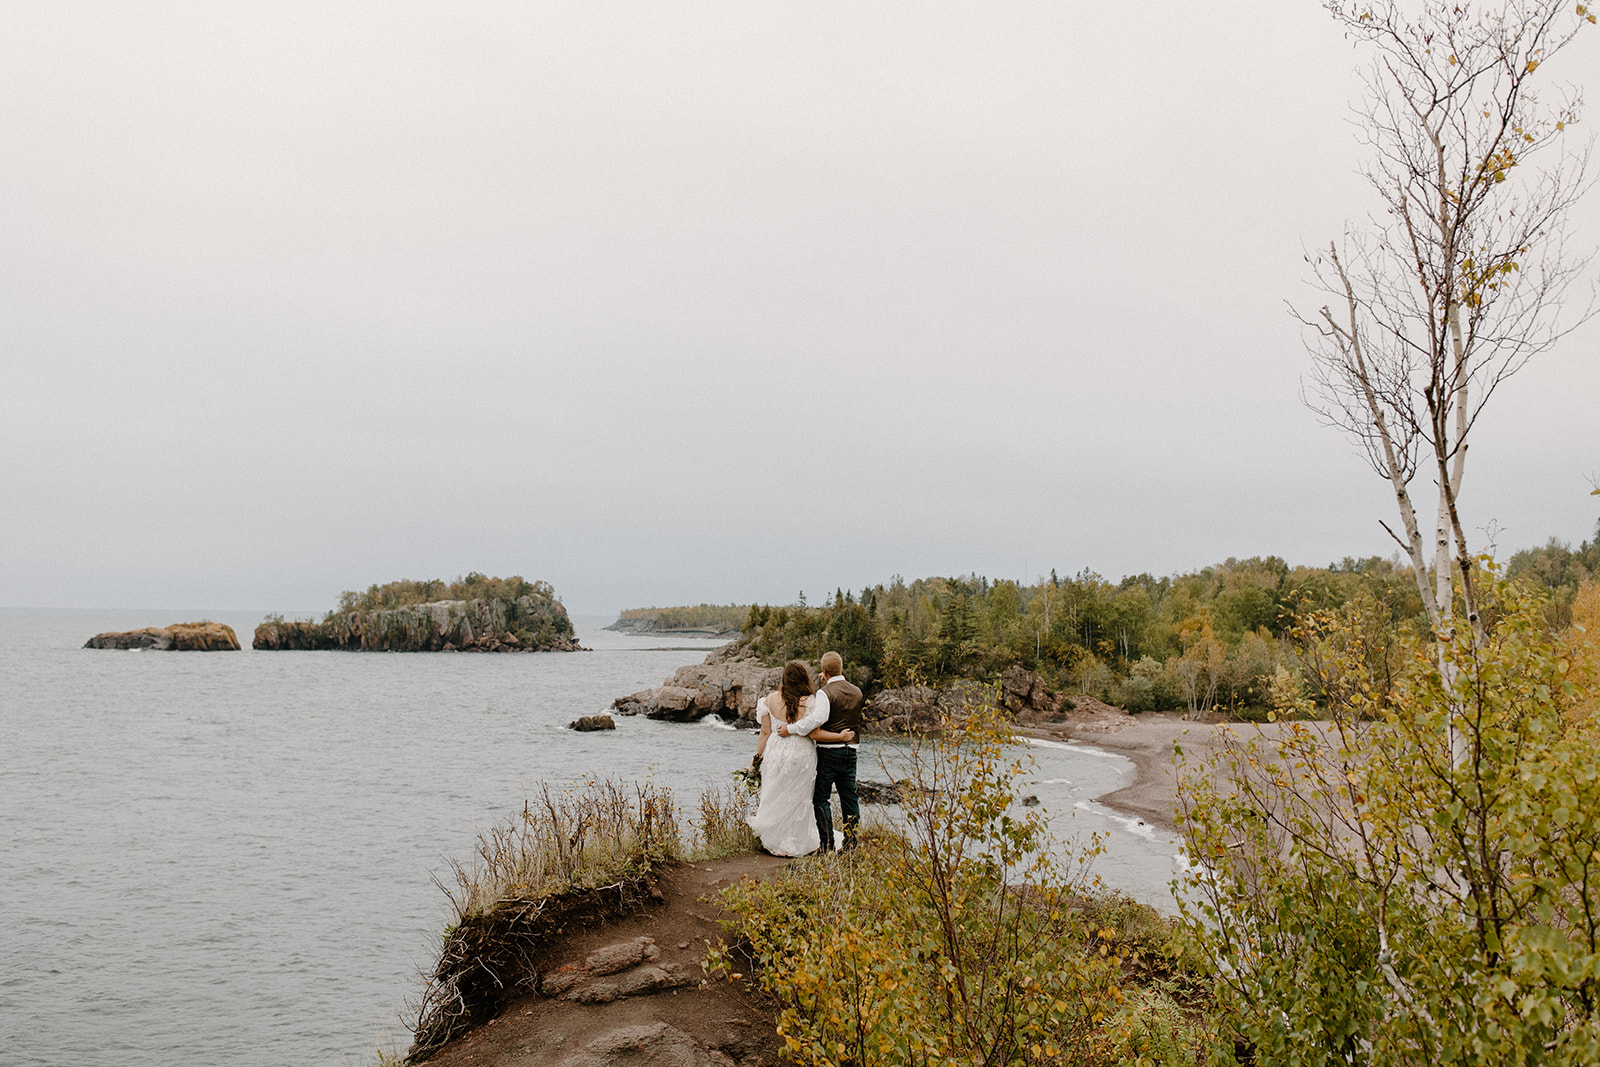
179	637
526	624
729	683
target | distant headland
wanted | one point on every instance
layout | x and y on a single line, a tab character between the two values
724	621
472	614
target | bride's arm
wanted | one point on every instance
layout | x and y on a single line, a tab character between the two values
845	736
766	729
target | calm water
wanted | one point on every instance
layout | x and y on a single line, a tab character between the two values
230	858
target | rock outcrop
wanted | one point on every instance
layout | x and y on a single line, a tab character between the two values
911	709
914	709
729	682
1024	695
895	792
626	969
179	637
655	1043
526	624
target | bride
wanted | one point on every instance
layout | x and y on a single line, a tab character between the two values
784	818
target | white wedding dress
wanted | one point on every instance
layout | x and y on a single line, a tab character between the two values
784	818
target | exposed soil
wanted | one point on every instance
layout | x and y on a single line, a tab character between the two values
671	1020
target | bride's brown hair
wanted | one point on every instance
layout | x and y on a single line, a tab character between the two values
796	686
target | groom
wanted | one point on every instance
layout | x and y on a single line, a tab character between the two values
836	761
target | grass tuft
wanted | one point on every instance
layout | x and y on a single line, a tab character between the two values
581	837
720	828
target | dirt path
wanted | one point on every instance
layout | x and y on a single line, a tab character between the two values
628	991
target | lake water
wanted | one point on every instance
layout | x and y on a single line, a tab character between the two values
231	857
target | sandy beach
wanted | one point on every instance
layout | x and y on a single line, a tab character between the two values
1151	741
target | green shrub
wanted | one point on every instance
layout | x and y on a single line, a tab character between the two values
1418	879
1148	687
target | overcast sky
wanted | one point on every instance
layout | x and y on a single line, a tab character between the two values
665	303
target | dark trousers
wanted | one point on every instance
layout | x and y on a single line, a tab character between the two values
836	767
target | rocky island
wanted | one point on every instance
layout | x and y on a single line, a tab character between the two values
472	614
179	637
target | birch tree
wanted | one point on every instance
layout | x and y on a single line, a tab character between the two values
1389	887
1461	276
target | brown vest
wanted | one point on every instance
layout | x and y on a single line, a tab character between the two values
844	706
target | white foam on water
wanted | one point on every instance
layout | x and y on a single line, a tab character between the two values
1074	746
1128	823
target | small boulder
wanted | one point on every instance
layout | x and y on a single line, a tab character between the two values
650	979
587	723
554	983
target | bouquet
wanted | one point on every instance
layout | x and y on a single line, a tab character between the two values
749	778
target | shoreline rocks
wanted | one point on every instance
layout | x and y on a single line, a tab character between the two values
1022	695
869	791
726	684
179	637
526	624
729	682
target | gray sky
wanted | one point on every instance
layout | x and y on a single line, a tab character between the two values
681	302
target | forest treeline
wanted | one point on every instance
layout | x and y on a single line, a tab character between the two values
1558	567
407	592
1226	638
